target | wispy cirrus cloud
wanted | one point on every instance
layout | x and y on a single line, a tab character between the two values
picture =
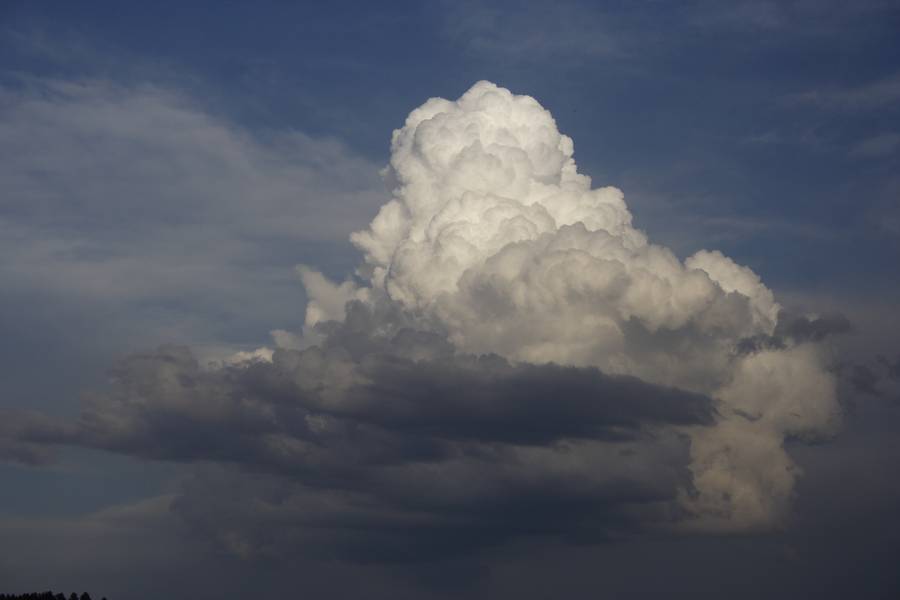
879	94
877	146
134	199
534	31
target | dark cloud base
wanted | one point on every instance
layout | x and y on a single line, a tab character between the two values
389	448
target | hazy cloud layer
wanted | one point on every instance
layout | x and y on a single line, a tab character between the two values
146	216
874	95
537	31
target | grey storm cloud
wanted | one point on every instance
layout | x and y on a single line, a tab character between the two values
879	377
793	328
391	448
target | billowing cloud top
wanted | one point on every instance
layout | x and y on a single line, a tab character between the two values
495	240
494	234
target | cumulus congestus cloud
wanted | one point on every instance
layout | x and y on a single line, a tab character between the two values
494	239
512	357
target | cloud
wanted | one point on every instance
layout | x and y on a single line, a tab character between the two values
877	146
102	551
793	328
494	238
17	427
538	31
798	18
876	95
149	213
879	377
393	436
511	358
753	16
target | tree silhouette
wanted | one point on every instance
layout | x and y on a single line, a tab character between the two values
48	595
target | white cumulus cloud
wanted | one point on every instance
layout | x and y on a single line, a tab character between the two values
493	239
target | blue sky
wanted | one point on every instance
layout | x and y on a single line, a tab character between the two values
167	164
753	112
765	129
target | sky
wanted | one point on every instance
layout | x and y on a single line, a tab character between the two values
429	300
